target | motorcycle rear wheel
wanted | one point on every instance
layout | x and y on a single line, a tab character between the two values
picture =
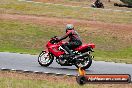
45	59
85	64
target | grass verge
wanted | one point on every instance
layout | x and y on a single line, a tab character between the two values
24	37
15	7
87	3
26	80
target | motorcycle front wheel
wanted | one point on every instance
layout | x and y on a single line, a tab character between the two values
85	62
45	59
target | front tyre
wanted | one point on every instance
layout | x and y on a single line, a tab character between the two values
45	59
85	63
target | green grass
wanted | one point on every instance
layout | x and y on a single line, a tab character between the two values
87	3
17	83
22	83
119	56
25	80
22	37
15	7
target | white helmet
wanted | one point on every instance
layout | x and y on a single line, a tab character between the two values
69	27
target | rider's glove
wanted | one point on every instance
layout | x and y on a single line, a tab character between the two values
57	40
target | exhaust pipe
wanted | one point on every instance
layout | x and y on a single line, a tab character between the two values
82	55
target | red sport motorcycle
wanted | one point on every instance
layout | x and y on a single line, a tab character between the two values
82	58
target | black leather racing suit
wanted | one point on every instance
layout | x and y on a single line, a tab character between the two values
74	40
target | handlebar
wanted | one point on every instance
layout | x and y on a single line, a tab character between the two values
54	39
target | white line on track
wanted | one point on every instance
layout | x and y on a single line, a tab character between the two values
74	6
13	69
46	72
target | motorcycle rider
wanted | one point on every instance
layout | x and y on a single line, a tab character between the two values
74	39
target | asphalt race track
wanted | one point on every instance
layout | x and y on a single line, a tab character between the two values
28	62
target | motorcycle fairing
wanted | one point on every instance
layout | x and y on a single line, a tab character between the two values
54	49
84	46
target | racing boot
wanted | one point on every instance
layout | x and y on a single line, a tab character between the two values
69	51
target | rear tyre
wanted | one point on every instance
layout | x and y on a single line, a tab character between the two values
45	59
85	64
